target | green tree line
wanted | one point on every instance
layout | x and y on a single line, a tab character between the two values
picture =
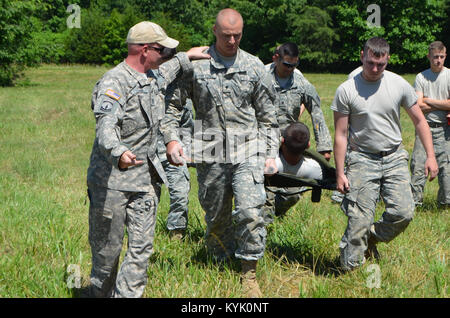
330	33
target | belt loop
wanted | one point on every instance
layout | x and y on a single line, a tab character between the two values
436	125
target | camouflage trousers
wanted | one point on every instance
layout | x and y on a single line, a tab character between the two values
371	176
239	232
337	197
178	187
441	143
109	212
279	201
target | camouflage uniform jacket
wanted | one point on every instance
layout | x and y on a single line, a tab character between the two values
128	106
288	101
234	100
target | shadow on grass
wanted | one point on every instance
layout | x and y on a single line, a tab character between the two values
203	257
319	265
195	234
292	251
432	206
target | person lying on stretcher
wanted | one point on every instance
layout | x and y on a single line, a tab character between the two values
299	169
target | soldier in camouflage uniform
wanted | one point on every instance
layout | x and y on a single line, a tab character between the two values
230	94
433	88
178	177
124	172
288	111
367	109
293	91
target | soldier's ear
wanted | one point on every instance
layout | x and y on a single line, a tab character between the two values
281	140
309	145
145	49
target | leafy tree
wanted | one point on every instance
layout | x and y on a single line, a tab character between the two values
408	25
84	45
174	29
266	22
312	31
190	20
14	30
116	26
329	33
445	35
411	27
350	25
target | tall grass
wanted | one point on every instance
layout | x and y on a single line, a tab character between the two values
46	134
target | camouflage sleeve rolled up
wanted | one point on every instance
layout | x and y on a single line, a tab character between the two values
320	128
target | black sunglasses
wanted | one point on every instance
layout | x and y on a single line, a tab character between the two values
289	65
158	49
165	52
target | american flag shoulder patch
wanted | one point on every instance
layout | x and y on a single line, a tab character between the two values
112	94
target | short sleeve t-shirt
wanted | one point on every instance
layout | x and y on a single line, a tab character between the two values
374	110
436	86
306	168
355	72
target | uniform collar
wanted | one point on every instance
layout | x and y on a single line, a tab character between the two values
294	79
138	76
217	63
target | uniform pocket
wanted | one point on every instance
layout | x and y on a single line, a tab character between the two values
129	126
241	91
258	176
141	218
352	194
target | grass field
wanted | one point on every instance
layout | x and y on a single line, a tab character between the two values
46	135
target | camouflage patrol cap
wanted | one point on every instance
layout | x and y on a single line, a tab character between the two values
149	32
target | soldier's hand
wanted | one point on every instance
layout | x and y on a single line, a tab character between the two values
342	184
326	154
431	168
426	107
175	154
128	159
270	167
198	53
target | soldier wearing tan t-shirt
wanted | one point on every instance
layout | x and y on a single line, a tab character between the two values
367	114
433	89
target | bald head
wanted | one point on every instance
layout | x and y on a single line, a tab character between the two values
228	31
229	16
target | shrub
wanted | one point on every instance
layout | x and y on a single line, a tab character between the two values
15	36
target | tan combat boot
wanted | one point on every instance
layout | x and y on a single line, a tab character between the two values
248	279
177	234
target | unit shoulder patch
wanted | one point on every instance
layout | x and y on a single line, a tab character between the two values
106	106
